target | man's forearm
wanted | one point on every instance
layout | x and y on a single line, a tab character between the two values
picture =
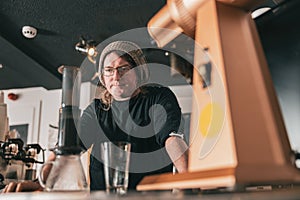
178	152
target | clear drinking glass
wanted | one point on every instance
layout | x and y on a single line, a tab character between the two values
116	157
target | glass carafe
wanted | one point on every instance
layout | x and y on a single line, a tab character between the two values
66	174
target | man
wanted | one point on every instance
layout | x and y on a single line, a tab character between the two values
148	117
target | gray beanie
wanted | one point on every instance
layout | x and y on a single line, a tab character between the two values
134	51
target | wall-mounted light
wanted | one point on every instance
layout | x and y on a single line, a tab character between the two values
88	48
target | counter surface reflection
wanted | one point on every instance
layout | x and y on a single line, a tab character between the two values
277	194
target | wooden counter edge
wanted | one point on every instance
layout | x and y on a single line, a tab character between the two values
202	179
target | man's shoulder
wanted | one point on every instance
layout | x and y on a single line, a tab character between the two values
94	105
156	89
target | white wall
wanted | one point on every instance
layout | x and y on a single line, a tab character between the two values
26	110
184	95
49	116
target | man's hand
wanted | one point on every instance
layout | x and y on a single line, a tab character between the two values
26	186
29	186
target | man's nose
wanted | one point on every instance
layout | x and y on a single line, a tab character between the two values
116	74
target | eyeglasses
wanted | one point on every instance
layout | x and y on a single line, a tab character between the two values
109	71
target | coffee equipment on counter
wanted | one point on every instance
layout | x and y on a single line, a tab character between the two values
67	171
18	161
13	149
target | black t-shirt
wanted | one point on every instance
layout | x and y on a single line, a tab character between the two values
146	120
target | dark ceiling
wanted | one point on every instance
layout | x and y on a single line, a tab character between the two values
60	23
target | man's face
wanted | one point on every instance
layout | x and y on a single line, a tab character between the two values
119	79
